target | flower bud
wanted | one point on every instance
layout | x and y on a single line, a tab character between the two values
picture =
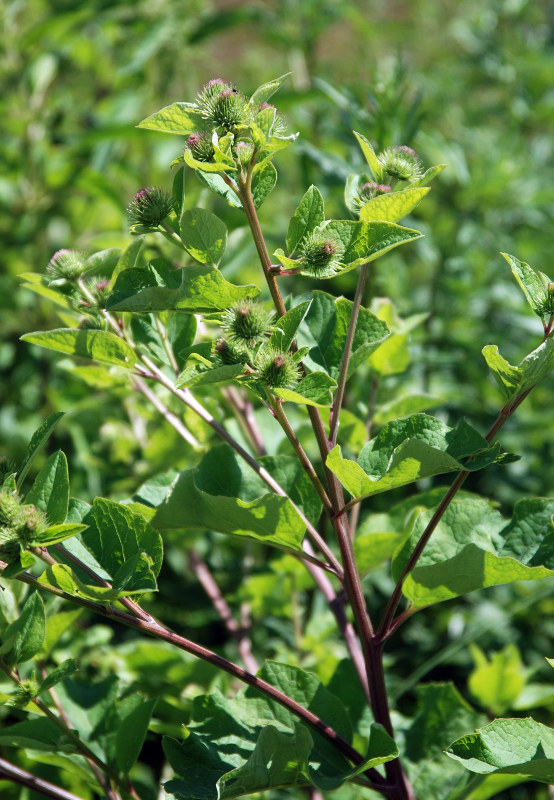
149	207
19	524
244	151
65	268
320	253
370	190
401	163
222	105
200	146
227	352
277	369
246	322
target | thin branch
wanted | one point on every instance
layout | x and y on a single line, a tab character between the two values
164	411
20	776
281	417
153	628
210	586
339	394
385	626
242	410
336	604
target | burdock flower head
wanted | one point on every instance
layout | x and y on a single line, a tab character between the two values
246	322
277	370
200	145
222	105
320	253
401	163
149	207
19	524
229	352
65	268
370	190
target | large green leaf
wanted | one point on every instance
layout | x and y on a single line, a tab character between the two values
324	331
36	734
99	345
309	214
271	519
392	207
284	329
181	118
366	241
508	746
117	538
50	491
441	715
314	390
23	638
204	235
160	287
241	745
407	450
473	547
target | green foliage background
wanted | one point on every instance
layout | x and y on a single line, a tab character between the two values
464	83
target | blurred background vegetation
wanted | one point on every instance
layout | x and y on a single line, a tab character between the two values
464	82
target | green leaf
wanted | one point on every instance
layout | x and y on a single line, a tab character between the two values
366	241
370	157
127	259
430	175
204	235
267	90
217	185
284	330
56	625
57	533
99	345
497	683
65	669
36	734
371	549
392	207
472	547
181	331
270	519
508	746
407	450
507	376
38	438
324	331
63	577
531	283
23	638
200	375
115	535
160	287
279	759
263	181
50	490
513	381
441	715
180	118
392	356
205	166
404	407
308	216
316	389
134	715
50	294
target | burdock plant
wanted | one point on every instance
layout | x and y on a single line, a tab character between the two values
267	386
